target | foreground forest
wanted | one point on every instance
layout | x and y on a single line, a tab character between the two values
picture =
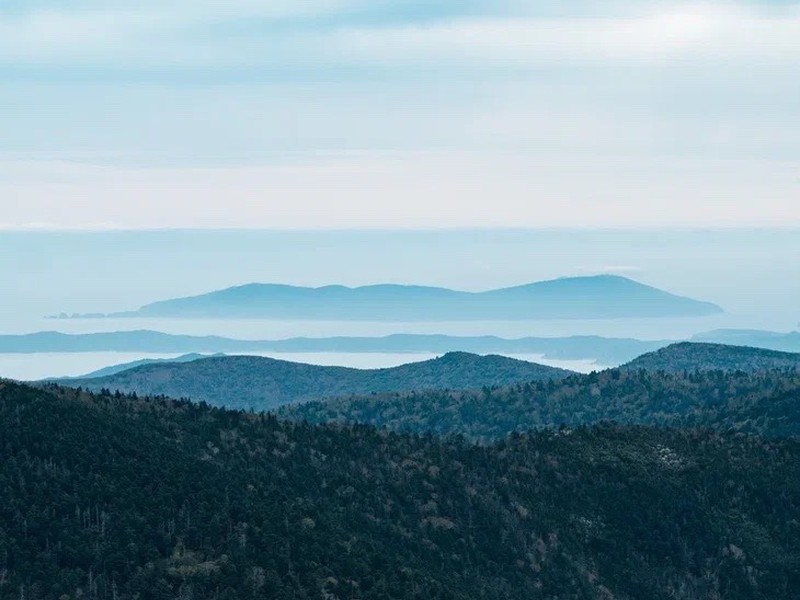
113	497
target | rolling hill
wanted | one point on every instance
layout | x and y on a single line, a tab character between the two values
118	368
765	403
692	356
123	498
265	383
596	297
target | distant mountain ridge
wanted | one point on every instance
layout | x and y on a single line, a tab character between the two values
694	356
595	297
606	351
265	383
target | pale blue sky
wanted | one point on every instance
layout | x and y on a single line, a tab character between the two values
402	114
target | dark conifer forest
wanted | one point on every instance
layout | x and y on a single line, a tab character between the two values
115	497
763	403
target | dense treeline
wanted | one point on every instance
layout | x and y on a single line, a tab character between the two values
110	497
762	402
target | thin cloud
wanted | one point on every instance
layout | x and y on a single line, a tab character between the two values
422	190
157	38
349	113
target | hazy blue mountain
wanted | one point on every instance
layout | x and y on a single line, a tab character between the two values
607	351
691	356
596	297
772	340
265	383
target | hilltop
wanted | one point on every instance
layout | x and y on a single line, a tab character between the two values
126	498
693	356
596	297
265	383
772	340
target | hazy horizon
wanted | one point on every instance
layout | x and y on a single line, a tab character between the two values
753	274
468	145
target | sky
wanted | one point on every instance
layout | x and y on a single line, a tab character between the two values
403	114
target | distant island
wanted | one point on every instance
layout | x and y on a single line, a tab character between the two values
595	297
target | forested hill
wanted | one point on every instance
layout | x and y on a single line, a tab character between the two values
118	498
692	356
265	383
765	403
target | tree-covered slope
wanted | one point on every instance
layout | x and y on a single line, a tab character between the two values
265	383
765	403
693	356
118	498
118	368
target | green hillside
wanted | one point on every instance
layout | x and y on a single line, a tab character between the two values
117	498
693	356
766	403
265	383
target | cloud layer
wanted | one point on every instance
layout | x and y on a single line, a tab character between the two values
347	113
411	191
